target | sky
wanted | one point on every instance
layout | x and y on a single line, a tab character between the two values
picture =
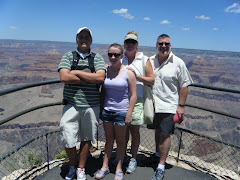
191	24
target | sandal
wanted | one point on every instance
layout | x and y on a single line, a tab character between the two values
102	173
119	175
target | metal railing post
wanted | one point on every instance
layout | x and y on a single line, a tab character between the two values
97	139
179	146
47	152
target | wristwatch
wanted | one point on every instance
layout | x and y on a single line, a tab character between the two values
181	105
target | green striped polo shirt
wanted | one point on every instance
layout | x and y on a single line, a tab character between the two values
82	95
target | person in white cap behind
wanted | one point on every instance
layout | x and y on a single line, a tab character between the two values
81	71
136	60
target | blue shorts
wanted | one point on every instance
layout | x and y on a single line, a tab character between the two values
117	118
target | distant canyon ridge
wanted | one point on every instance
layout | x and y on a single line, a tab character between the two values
31	61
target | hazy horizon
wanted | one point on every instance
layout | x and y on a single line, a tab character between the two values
120	44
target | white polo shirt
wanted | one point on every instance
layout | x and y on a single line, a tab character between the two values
170	77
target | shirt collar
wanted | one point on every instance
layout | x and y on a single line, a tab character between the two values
83	56
140	55
169	59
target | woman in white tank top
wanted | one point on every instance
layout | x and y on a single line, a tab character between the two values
135	60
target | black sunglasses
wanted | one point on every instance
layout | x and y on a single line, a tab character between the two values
114	54
166	43
81	38
131	41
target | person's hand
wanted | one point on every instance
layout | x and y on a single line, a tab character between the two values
177	119
131	69
180	111
128	119
74	72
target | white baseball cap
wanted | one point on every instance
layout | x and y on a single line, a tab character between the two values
84	29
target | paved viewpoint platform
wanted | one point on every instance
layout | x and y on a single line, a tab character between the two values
144	171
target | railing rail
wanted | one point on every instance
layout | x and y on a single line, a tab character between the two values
213	111
216	88
28	110
29	85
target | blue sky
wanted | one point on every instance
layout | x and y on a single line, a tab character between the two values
192	24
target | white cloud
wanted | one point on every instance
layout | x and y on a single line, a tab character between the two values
124	13
12	27
215	29
185	29
203	17
165	22
147	18
128	16
120	11
235	8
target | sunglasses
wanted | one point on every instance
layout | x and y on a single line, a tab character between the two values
114	54
166	43
131	41
81	38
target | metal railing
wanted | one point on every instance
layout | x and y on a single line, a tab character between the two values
32	157
198	151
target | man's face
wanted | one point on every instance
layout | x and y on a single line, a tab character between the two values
163	46
84	41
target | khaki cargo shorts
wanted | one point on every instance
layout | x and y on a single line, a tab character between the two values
78	122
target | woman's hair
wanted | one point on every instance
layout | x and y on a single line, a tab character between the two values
116	45
133	32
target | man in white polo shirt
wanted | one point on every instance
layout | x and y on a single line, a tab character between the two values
170	92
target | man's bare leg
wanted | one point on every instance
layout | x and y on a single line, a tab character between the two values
164	147
84	153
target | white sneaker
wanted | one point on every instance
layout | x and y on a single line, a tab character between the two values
71	173
81	174
132	166
158	175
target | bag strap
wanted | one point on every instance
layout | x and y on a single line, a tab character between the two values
76	58
143	65
91	62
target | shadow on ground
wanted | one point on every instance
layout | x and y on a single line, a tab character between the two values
145	169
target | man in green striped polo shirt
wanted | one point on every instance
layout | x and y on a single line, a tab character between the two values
82	97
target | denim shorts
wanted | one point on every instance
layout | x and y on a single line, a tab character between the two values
117	118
